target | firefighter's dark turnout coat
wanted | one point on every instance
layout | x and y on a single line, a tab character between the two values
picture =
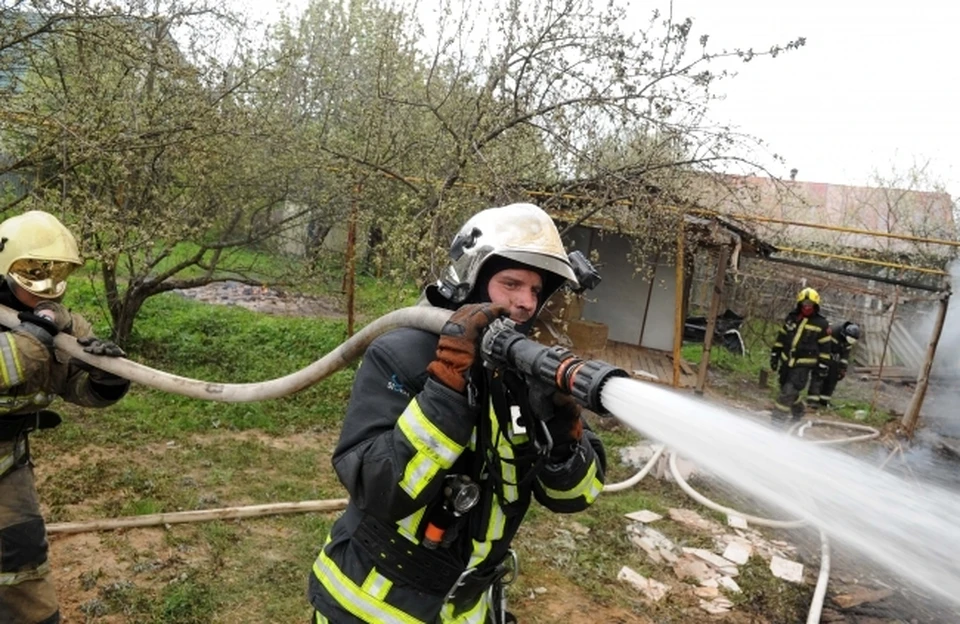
402	435
803	344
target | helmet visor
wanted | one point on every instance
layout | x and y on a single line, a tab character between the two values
43	278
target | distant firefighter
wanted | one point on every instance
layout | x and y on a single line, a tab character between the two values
802	348
842	339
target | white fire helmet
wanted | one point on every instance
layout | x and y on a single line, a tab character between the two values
520	232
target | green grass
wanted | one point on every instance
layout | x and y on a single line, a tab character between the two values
155	452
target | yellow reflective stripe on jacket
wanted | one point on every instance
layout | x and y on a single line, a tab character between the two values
409	526
589	487
377	585
477	614
15	578
11	369
797	335
353	598
435	451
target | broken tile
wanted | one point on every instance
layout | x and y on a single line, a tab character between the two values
648	547
861	595
716	606
738	552
653	590
690	567
718	562
707	592
692	519
737	522
786	569
644	515
729	584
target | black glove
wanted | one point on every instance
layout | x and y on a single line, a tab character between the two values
457	347
95	346
841	373
774	361
561	414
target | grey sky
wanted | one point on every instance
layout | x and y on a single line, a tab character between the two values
875	89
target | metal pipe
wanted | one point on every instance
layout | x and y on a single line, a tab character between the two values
866	276
881	263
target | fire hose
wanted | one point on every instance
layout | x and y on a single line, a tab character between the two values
502	346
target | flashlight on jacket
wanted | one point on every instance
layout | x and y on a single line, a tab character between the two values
460	495
502	346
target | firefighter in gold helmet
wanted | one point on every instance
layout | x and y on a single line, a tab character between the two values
802	349
37	254
441	456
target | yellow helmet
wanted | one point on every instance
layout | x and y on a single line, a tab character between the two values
38	253
809	293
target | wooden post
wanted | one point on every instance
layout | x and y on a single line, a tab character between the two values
883	353
350	278
202	515
912	416
723	259
678	320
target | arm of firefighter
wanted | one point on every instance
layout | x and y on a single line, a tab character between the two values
777	349
85	385
845	349
403	431
573	485
825	345
23	356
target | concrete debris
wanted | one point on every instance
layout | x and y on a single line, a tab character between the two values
786	569
657	546
729	584
716	606
636	456
651	589
707	592
861	595
692	519
738	551
722	565
737	522
690	567
644	515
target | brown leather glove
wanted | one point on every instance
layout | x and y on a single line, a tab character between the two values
56	313
457	348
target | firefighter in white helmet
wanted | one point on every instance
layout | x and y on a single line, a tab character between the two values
37	255
442	457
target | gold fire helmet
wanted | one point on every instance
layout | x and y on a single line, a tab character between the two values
38	253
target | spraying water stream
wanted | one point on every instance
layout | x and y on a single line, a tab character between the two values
907	528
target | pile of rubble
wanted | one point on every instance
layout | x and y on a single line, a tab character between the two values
706	572
263	299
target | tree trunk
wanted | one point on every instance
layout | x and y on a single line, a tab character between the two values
124	313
